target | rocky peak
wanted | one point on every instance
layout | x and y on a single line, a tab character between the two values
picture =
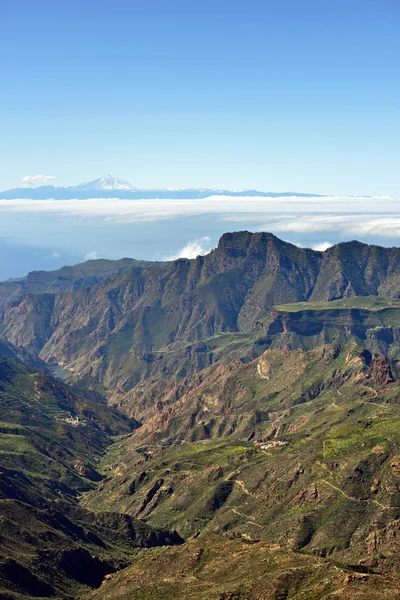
241	243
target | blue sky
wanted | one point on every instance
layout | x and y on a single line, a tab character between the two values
275	95
283	95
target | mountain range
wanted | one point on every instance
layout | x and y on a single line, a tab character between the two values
113	187
221	428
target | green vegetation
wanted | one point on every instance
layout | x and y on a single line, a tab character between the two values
317	470
361	302
50	440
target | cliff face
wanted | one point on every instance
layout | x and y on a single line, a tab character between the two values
95	329
356	269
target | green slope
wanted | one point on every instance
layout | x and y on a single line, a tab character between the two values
51	438
362	302
266	382
296	448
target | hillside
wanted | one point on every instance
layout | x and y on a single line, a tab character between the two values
240	569
50	440
293	452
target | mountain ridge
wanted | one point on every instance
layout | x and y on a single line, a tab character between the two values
127	325
113	187
295	452
68	277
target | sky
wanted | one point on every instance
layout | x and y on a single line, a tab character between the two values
277	95
274	95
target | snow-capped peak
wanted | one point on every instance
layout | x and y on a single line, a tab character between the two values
107	183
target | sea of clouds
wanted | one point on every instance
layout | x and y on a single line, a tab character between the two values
353	215
62	231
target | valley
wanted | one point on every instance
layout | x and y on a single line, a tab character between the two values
228	427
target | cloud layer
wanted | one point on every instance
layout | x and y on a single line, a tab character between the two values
349	216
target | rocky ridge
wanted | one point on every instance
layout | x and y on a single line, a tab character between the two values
116	332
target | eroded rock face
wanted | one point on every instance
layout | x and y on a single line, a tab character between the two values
383	543
381	370
372	542
306	496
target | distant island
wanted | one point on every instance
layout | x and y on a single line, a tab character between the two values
113	187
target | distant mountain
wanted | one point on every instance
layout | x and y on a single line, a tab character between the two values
113	187
106	183
82	275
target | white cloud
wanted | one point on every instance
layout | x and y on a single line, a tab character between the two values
37	179
348	225
193	249
345	216
55	254
322	246
92	255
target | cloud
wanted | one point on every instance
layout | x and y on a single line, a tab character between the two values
92	255
347	225
322	246
55	254
344	216
37	179
193	249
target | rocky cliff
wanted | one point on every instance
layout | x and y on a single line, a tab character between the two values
109	328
